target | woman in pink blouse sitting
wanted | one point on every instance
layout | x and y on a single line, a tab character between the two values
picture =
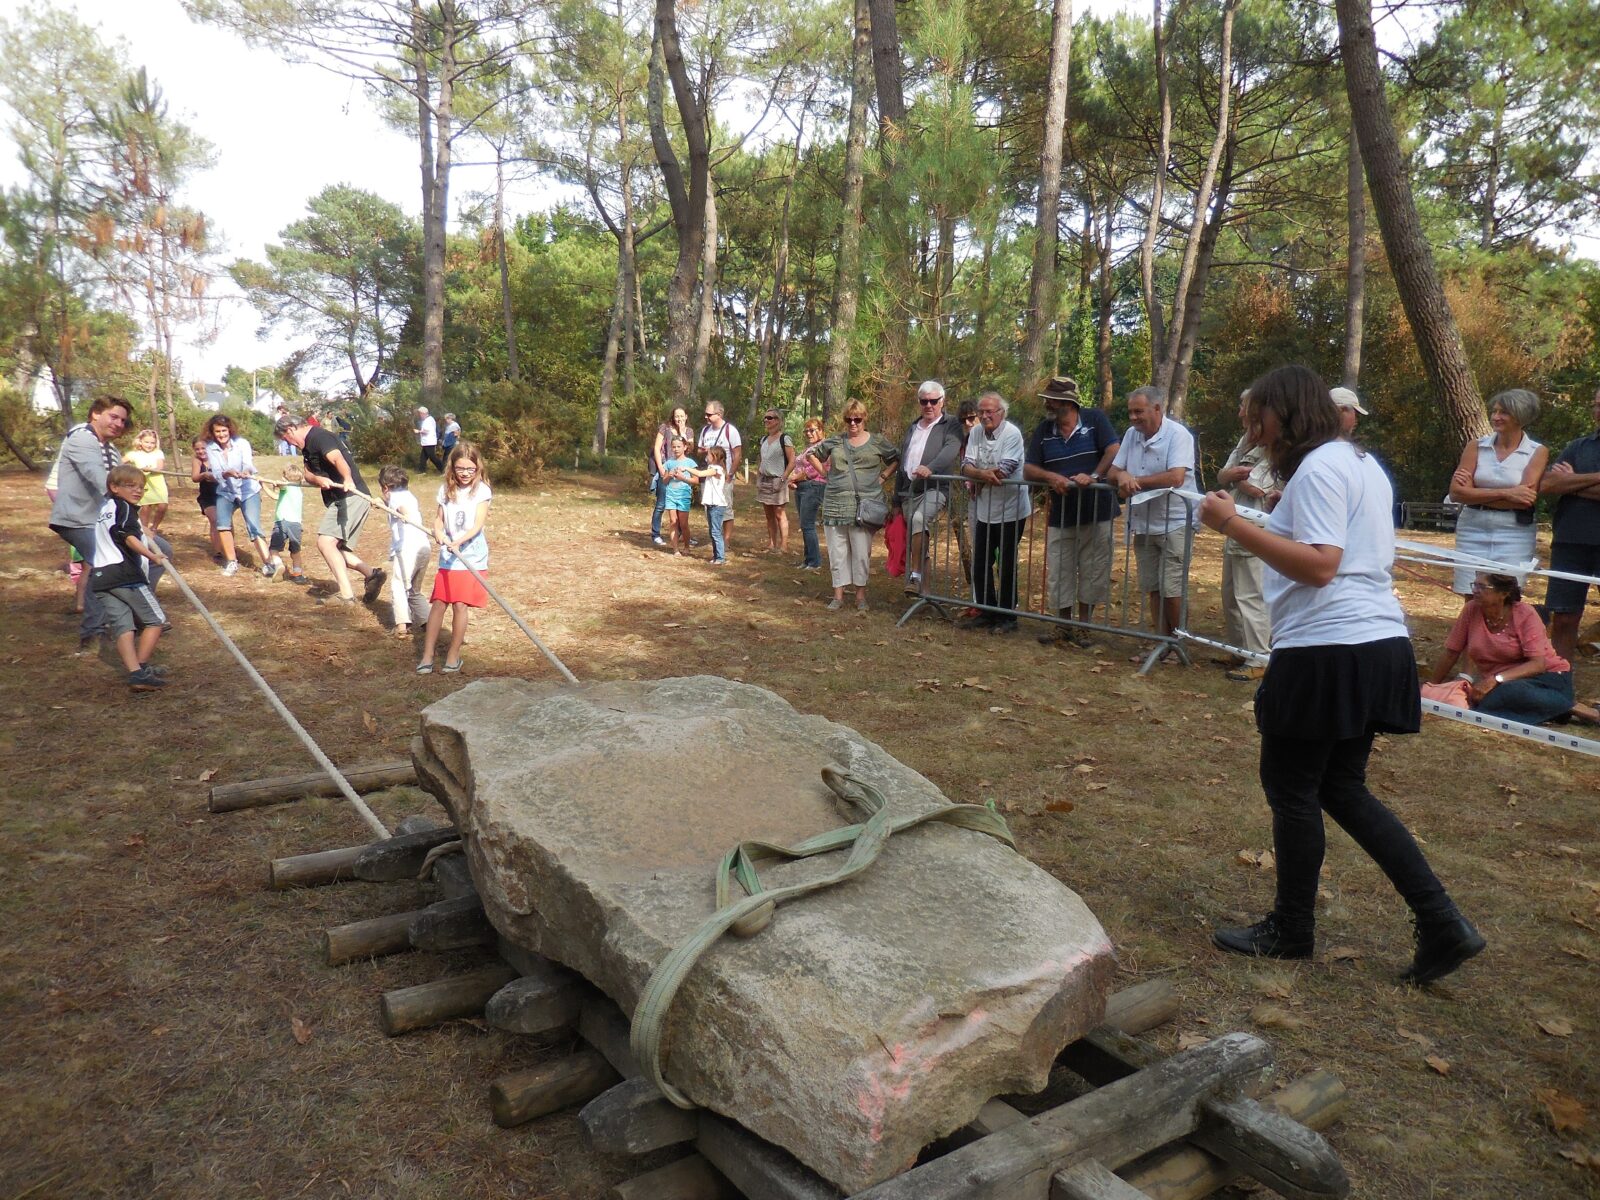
1520	676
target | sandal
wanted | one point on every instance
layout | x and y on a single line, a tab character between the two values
424	668
452	668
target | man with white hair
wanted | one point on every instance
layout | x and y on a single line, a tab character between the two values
994	459
931	446
428	438
1349	407
1157	452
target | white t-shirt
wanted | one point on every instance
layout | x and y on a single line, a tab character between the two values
727	437
1172	447
992	503
459	515
916	444
1338	497
714	487
405	540
428	431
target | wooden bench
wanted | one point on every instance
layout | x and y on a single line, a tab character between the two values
1415	514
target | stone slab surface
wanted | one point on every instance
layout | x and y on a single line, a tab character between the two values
866	1020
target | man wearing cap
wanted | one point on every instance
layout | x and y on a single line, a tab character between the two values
1349	407
931	446
428	438
344	493
1070	452
1157	452
1251	481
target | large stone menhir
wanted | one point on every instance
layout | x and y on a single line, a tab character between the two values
868	1019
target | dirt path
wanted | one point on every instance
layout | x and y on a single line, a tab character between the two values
151	984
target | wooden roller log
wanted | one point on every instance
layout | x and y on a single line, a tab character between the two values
1187	1172
313	870
334	866
635	1118
401	856
405	1009
1142	1007
602	1025
541	1001
254	793
368	939
690	1178
1092	1180
452	925
525	1095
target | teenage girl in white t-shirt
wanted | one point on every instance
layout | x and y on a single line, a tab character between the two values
1342	670
462	513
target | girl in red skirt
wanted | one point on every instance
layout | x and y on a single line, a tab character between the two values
463	511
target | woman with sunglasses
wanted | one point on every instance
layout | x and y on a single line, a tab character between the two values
1520	675
1342	671
859	463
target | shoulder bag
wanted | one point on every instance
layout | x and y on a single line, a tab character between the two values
872	510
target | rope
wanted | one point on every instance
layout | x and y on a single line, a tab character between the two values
280	708
752	914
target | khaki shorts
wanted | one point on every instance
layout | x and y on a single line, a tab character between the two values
1080	564
771	489
344	518
922	508
1160	557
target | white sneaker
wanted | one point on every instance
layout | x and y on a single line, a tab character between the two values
231	567
268	569
277	563
660	541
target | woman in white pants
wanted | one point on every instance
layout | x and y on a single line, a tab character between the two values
859	464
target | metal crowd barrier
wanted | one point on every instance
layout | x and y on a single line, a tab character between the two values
956	577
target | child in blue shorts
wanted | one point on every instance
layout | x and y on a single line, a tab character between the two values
678	474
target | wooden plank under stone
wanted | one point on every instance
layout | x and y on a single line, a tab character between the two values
1114	1124
542	1001
602	1025
1272	1148
400	857
635	1118
525	1095
405	1009
254	793
313	870
371	938
452	925
1092	1180
690	1178
760	1170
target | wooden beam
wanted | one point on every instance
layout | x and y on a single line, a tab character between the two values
635	1118
690	1178
254	793
525	1095
452	925
1316	1100
401	856
760	1170
602	1025
1142	1007
405	1009
541	1001
1114	1124
313	870
1092	1180
1283	1154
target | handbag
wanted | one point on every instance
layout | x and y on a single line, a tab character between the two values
872	510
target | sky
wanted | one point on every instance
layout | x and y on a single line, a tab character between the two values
281	133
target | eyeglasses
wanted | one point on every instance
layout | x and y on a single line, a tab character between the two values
707	415
771	417
972	420
929	401
854	420
988	412
466	470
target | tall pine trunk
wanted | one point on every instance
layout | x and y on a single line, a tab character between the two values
1158	194
608	372
707	319
848	278
1355	275
1041	288
899	280
779	267
1410	259
1102	347
436	129
513	373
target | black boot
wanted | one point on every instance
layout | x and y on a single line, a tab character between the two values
1443	943
1270	937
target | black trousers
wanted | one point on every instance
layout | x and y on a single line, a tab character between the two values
430	454
994	546
1304	779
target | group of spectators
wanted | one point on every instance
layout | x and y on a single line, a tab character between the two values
109	512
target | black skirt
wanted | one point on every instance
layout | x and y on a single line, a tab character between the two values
1330	693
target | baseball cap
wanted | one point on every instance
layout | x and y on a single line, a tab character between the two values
1345	398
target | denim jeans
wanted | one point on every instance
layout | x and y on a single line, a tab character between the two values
808	500
658	489
1533	701
1305	778
716	514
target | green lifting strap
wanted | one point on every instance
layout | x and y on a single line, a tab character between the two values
752	914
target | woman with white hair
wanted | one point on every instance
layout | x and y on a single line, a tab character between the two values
1497	484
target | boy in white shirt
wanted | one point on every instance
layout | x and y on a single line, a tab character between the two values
408	552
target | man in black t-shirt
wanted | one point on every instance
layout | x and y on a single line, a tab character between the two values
344	493
1574	477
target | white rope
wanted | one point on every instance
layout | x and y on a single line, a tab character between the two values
1466	716
280	708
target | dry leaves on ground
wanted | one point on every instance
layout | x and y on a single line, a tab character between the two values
1438	1064
1564	1112
1556	1026
1276	1016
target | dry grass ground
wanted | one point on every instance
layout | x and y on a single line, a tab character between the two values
148	980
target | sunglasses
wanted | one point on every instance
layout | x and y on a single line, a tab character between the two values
771	417
854	420
929	401
708	416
